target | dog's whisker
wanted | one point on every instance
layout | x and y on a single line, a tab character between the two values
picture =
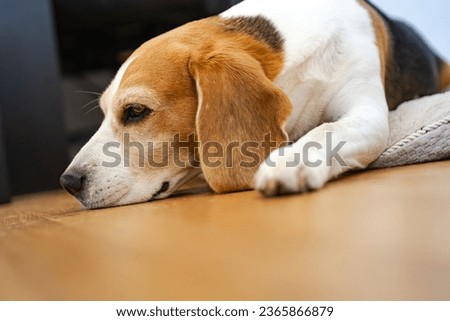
90	103
88	92
91	110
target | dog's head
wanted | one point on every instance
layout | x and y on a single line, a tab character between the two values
179	100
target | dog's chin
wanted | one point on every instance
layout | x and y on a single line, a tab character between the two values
102	202
92	205
127	197
95	204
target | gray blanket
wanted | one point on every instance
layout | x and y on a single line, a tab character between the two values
420	132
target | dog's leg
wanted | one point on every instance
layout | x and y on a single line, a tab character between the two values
355	139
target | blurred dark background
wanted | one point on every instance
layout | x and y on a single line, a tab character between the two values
52	54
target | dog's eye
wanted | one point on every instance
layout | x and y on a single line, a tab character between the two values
135	113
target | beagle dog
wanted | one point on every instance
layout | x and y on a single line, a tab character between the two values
274	79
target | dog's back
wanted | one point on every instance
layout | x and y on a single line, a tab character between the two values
413	70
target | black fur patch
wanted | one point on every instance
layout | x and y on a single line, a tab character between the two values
413	69
259	28
164	188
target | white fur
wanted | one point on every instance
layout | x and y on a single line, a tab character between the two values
99	189
332	76
115	84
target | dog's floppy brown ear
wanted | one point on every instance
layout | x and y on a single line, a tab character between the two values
239	106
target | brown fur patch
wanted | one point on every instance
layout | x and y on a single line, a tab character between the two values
444	79
240	103
382	37
239	107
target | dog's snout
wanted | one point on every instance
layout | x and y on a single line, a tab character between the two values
72	182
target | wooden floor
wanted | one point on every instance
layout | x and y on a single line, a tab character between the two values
380	235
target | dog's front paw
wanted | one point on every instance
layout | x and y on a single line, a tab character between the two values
288	172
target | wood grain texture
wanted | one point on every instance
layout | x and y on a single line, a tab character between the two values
369	236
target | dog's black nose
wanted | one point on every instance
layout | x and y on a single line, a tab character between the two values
72	182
